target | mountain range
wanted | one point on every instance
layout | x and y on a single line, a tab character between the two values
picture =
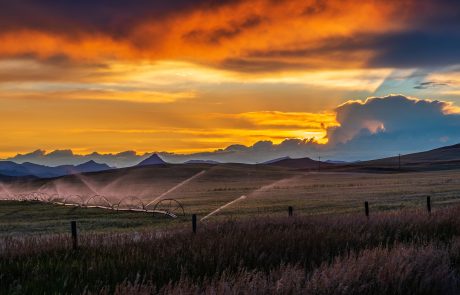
8	168
12	169
299	163
441	158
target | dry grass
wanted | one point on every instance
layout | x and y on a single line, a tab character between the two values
404	252
270	191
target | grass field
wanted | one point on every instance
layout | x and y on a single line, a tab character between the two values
398	252
24	218
269	191
249	247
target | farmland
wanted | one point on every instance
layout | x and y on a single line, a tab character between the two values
269	191
250	246
405	252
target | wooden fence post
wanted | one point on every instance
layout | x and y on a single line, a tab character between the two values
194	223
73	229
366	208
290	210
428	204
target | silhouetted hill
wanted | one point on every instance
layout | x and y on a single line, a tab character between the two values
276	160
152	160
91	166
443	158
336	162
8	168
201	162
300	163
447	153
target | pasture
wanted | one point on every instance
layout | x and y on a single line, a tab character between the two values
249	246
268	190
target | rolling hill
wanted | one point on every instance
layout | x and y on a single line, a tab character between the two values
300	163
443	158
8	168
437	159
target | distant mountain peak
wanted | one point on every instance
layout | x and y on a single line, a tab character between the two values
92	163
277	160
152	160
297	163
201	162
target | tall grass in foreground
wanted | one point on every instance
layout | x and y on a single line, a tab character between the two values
404	252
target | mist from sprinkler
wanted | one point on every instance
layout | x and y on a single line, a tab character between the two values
251	195
175	187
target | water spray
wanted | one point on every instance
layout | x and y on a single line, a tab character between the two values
252	194
4	190
223	207
86	183
175	187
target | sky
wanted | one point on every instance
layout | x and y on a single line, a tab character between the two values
228	80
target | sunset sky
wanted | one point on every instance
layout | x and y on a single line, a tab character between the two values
197	76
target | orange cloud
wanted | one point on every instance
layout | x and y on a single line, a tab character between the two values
225	35
198	75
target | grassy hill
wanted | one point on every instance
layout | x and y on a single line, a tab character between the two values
445	158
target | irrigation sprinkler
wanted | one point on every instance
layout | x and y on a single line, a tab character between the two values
428	204
165	207
169	207
194	223
73	229
93	202
74	200
132	203
290	211
366	208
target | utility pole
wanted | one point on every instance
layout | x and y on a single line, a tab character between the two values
399	162
319	163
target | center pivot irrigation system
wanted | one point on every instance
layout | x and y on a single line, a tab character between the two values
163	207
159	206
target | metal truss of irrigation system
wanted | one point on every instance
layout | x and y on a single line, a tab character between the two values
168	207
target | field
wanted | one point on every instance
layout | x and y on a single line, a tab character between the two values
406	252
269	191
250	246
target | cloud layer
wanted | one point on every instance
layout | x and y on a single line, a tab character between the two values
246	36
395	124
376	127
193	76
